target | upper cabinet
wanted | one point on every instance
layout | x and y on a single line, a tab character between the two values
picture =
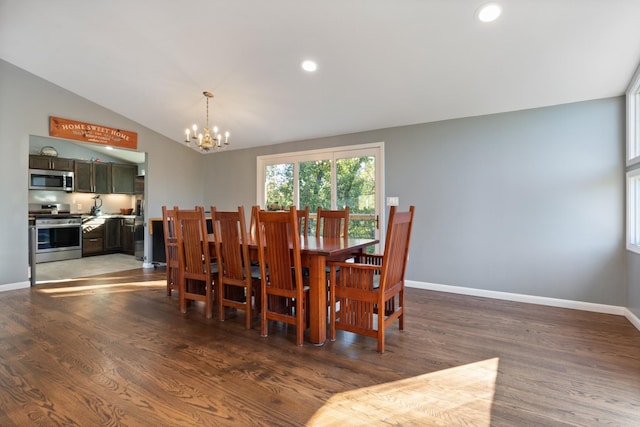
92	177
105	178
123	178
50	163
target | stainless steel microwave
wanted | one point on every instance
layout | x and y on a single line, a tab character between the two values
40	179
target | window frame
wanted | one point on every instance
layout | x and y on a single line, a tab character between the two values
633	120
321	154
633	210
633	162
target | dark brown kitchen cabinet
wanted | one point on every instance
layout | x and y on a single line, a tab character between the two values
50	163
113	234
92	177
123	178
128	240
106	235
93	236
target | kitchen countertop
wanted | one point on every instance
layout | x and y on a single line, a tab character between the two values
89	216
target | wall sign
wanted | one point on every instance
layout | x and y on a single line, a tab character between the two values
87	132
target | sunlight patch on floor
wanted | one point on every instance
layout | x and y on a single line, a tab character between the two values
107	287
457	396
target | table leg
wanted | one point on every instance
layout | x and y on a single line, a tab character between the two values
317	298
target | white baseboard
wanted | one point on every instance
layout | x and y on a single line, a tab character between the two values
553	302
14	286
635	321
148	265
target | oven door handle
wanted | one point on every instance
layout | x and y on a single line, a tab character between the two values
44	226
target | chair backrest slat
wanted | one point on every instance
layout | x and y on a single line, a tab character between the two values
303	221
396	248
332	223
170	247
192	233
231	242
280	250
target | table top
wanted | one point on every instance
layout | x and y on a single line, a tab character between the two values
331	246
327	246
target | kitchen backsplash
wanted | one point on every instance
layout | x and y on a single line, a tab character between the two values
81	203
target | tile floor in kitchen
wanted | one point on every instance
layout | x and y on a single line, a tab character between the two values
84	267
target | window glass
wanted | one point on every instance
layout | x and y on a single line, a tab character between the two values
278	186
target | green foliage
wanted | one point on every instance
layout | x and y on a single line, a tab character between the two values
355	179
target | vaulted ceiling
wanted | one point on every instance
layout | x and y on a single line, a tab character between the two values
381	63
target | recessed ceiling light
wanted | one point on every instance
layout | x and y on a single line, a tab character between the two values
309	66
489	12
108	147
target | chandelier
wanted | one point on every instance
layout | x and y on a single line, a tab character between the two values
211	140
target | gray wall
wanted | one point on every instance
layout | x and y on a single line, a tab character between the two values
528	202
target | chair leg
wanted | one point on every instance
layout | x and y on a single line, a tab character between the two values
209	300
381	317
332	302
401	302
182	288
265	306
248	313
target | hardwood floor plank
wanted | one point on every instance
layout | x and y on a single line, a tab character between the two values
115	350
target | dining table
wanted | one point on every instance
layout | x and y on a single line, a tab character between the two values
315	252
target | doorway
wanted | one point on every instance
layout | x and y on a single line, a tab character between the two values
80	204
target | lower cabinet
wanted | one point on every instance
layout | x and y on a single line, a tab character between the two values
92	246
113	234
93	236
128	241
107	235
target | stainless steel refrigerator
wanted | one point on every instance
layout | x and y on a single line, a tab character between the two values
138	228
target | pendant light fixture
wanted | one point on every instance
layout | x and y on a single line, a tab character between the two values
211	140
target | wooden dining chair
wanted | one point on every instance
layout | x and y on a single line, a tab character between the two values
236	287
196	271
303	221
332	223
284	295
365	302
170	248
253	222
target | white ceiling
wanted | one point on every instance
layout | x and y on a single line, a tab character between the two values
382	63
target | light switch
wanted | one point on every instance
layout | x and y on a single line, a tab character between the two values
392	201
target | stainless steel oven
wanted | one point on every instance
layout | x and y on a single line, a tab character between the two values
58	235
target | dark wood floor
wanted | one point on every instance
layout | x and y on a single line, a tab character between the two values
116	351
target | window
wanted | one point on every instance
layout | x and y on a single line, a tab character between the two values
633	120
633	209
633	158
331	178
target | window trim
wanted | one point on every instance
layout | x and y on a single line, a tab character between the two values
633	210
633	120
